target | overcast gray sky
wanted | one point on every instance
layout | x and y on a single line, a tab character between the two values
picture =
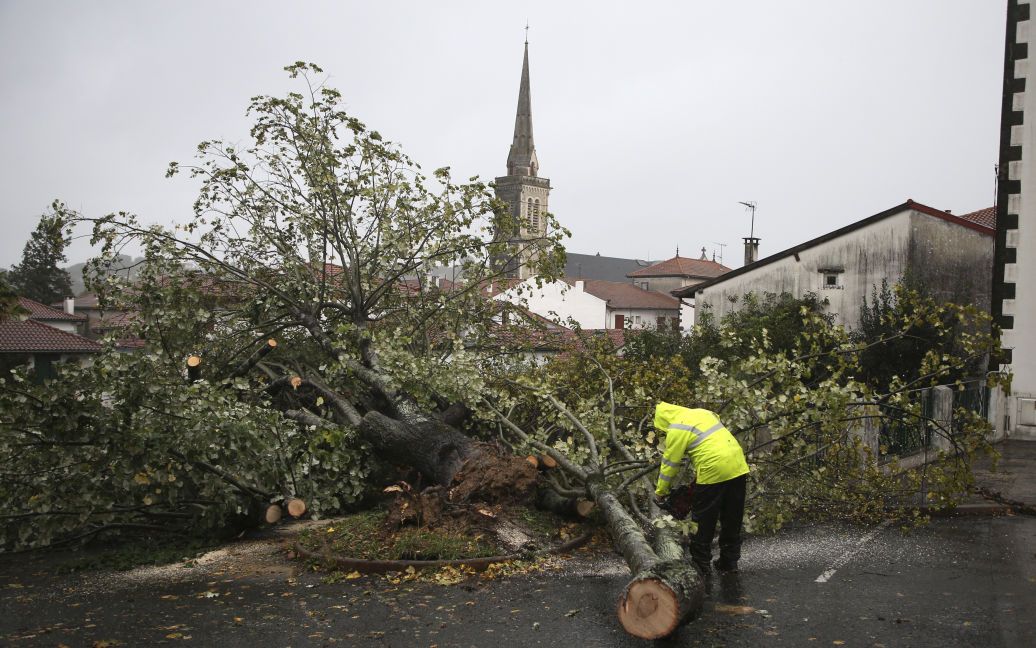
652	119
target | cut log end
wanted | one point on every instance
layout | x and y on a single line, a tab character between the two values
296	507
272	343
660	599
547	462
533	461
193	368
584	508
650	609
272	514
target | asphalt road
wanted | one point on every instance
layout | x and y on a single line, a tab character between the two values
958	582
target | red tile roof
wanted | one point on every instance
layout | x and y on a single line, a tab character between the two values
680	266
985	217
554	339
626	295
114	321
38	311
30	336
129	343
497	286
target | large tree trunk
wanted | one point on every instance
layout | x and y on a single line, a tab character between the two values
432	447
666	590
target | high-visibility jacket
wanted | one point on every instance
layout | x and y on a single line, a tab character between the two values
714	452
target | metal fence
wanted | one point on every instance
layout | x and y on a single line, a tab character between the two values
903	435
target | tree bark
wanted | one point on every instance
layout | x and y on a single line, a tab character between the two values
433	448
577	507
665	591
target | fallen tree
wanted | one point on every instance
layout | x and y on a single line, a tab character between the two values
325	238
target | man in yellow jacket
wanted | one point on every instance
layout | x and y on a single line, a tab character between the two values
720	470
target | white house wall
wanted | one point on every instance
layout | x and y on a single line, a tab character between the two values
648	316
686	314
866	256
560	300
61	325
952	262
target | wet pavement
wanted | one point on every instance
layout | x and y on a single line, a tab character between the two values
960	581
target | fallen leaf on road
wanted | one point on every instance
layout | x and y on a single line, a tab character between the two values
838	642
572	613
724	608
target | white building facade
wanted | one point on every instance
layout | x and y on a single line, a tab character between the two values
949	255
1014	280
595	304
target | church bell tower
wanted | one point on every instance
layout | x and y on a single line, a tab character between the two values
522	189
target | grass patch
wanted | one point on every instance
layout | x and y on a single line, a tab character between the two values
363	535
543	523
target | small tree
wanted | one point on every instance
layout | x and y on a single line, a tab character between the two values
774	321
902	329
39	276
8	298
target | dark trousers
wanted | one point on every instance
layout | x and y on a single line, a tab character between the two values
723	503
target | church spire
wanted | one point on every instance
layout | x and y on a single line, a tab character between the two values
521	161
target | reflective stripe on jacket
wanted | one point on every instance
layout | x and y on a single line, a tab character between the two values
715	453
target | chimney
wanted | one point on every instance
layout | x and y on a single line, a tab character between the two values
751	249
580	285
70	305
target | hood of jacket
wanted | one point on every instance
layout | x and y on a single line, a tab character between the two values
666	413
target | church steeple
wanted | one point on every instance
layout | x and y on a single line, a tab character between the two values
521	160
522	189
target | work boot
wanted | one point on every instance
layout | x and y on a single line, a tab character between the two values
723	567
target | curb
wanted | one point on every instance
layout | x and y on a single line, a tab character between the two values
972	510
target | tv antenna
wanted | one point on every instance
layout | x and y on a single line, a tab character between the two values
750	204
721	246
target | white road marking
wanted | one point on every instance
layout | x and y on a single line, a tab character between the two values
844	558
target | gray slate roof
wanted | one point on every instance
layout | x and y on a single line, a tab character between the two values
595	266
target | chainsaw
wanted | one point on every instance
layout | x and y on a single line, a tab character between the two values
678	502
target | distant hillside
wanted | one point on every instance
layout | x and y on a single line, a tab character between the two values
76	271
